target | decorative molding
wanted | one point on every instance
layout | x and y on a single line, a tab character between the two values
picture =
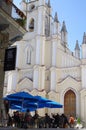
70	78
25	78
52	91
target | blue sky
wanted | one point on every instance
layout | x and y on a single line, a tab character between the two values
73	12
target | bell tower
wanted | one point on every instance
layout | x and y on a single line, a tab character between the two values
34	11
38	21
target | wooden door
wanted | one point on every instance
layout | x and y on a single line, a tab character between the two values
70	103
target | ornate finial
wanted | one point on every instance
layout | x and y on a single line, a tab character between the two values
77	45
64	27
84	38
49	3
56	17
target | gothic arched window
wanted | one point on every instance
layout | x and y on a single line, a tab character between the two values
46	26
31	25
28	55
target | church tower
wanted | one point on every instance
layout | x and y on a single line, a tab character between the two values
83	78
38	23
83	66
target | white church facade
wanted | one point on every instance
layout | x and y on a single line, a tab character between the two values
45	65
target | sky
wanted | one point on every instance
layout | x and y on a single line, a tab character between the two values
73	12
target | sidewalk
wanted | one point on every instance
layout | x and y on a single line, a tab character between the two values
14	128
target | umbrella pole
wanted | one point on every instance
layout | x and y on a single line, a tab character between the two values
22	105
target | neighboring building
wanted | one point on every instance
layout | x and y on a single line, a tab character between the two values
45	65
9	32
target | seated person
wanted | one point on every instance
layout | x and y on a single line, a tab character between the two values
71	121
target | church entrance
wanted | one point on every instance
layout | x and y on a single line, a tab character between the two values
70	103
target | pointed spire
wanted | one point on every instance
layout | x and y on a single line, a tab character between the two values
77	45
56	18
49	3
84	38
64	27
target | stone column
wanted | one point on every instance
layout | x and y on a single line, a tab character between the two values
53	78
54	50
39	77
40	50
12	81
41	17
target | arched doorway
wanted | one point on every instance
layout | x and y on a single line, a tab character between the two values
70	103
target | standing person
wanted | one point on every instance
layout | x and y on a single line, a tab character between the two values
36	119
47	120
16	119
65	121
56	120
71	121
9	120
27	119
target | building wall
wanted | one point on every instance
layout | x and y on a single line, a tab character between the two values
6	6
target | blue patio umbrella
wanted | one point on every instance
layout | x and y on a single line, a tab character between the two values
24	101
20	99
22	96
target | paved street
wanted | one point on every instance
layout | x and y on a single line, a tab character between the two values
10	128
